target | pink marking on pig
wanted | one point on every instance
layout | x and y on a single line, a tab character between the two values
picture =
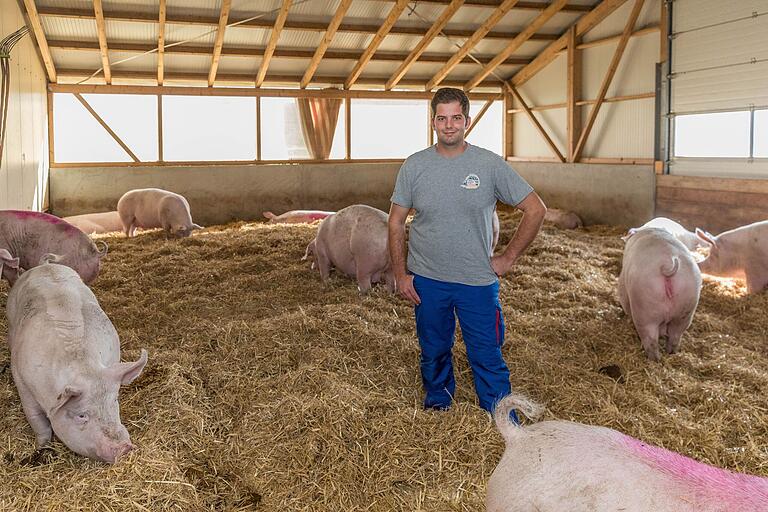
735	492
668	287
51	219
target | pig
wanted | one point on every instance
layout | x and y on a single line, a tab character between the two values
659	287
96	223
689	239
7	260
30	235
155	208
563	219
740	252
354	240
65	362
554	466
295	216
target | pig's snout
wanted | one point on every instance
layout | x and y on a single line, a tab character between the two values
112	453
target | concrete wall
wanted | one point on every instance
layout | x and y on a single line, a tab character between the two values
609	194
24	166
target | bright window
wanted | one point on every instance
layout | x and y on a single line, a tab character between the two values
488	132
721	134
209	128
281	135
388	128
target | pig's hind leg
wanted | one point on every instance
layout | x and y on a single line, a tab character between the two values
675	330
35	415
649	337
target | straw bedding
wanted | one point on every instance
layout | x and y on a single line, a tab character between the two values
267	390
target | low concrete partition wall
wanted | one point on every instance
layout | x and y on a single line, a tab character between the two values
606	194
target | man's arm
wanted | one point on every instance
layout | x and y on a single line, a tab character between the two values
533	215
404	282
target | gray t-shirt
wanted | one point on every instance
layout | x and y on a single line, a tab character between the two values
452	232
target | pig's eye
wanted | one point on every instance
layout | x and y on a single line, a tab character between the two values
81	417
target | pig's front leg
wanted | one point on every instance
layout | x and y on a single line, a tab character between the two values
756	282
35	415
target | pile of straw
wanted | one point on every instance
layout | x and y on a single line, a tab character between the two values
267	390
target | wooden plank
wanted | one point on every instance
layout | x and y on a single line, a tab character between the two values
475	38
394	14
226	6
573	93
274	79
101	28
583	25
49	105
508	141
613	39
714	220
348	127
42	43
536	6
663	29
106	127
535	122
617	160
759	186
608	78
161	43
479	116
262	23
516	43
288	53
433	31
323	46
208	163
613	99
160	127
273	38
714	197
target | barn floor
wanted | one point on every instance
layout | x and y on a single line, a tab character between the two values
266	390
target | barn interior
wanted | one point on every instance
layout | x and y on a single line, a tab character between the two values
269	390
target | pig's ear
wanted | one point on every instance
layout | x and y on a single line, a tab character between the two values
69	393
629	234
707	237
125	373
7	259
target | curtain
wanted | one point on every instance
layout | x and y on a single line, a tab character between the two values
318	123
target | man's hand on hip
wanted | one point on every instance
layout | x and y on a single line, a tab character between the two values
406	290
501	265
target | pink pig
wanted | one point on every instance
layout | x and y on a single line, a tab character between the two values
155	208
557	466
740	252
563	219
296	216
91	223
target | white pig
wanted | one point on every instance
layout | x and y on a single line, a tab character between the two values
295	216
740	252
558	466
659	288
65	361
155	208
689	239
96	223
563	219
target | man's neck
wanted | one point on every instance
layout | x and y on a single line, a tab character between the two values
451	151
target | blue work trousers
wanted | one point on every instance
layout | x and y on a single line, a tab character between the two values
482	325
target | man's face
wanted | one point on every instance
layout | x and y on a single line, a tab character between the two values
450	124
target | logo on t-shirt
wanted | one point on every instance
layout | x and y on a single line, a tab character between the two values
471	182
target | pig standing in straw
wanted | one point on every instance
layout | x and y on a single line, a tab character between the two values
659	288
559	466
740	252
155	208
65	361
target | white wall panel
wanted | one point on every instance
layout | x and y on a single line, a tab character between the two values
636	72
548	85
622	130
528	140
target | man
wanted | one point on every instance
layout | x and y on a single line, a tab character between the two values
454	186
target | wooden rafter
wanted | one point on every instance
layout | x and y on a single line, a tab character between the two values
106	127
535	121
333	26
262	23
226	6
434	30
289	53
583	25
161	43
581	103
470	43
479	116
273	38
573	93
516	43
608	78
531	6
101	27
394	14
245	78
42	43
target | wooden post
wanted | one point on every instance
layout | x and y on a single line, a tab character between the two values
573	93
348	126
159	127
51	154
508	141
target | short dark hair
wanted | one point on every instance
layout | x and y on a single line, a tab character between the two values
449	95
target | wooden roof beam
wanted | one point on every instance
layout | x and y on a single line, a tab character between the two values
583	25
42	43
106	127
608	78
531	6
535	121
98	11
516	43
394	14
161	42
333	26
226	6
273	38
433	31
470	43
